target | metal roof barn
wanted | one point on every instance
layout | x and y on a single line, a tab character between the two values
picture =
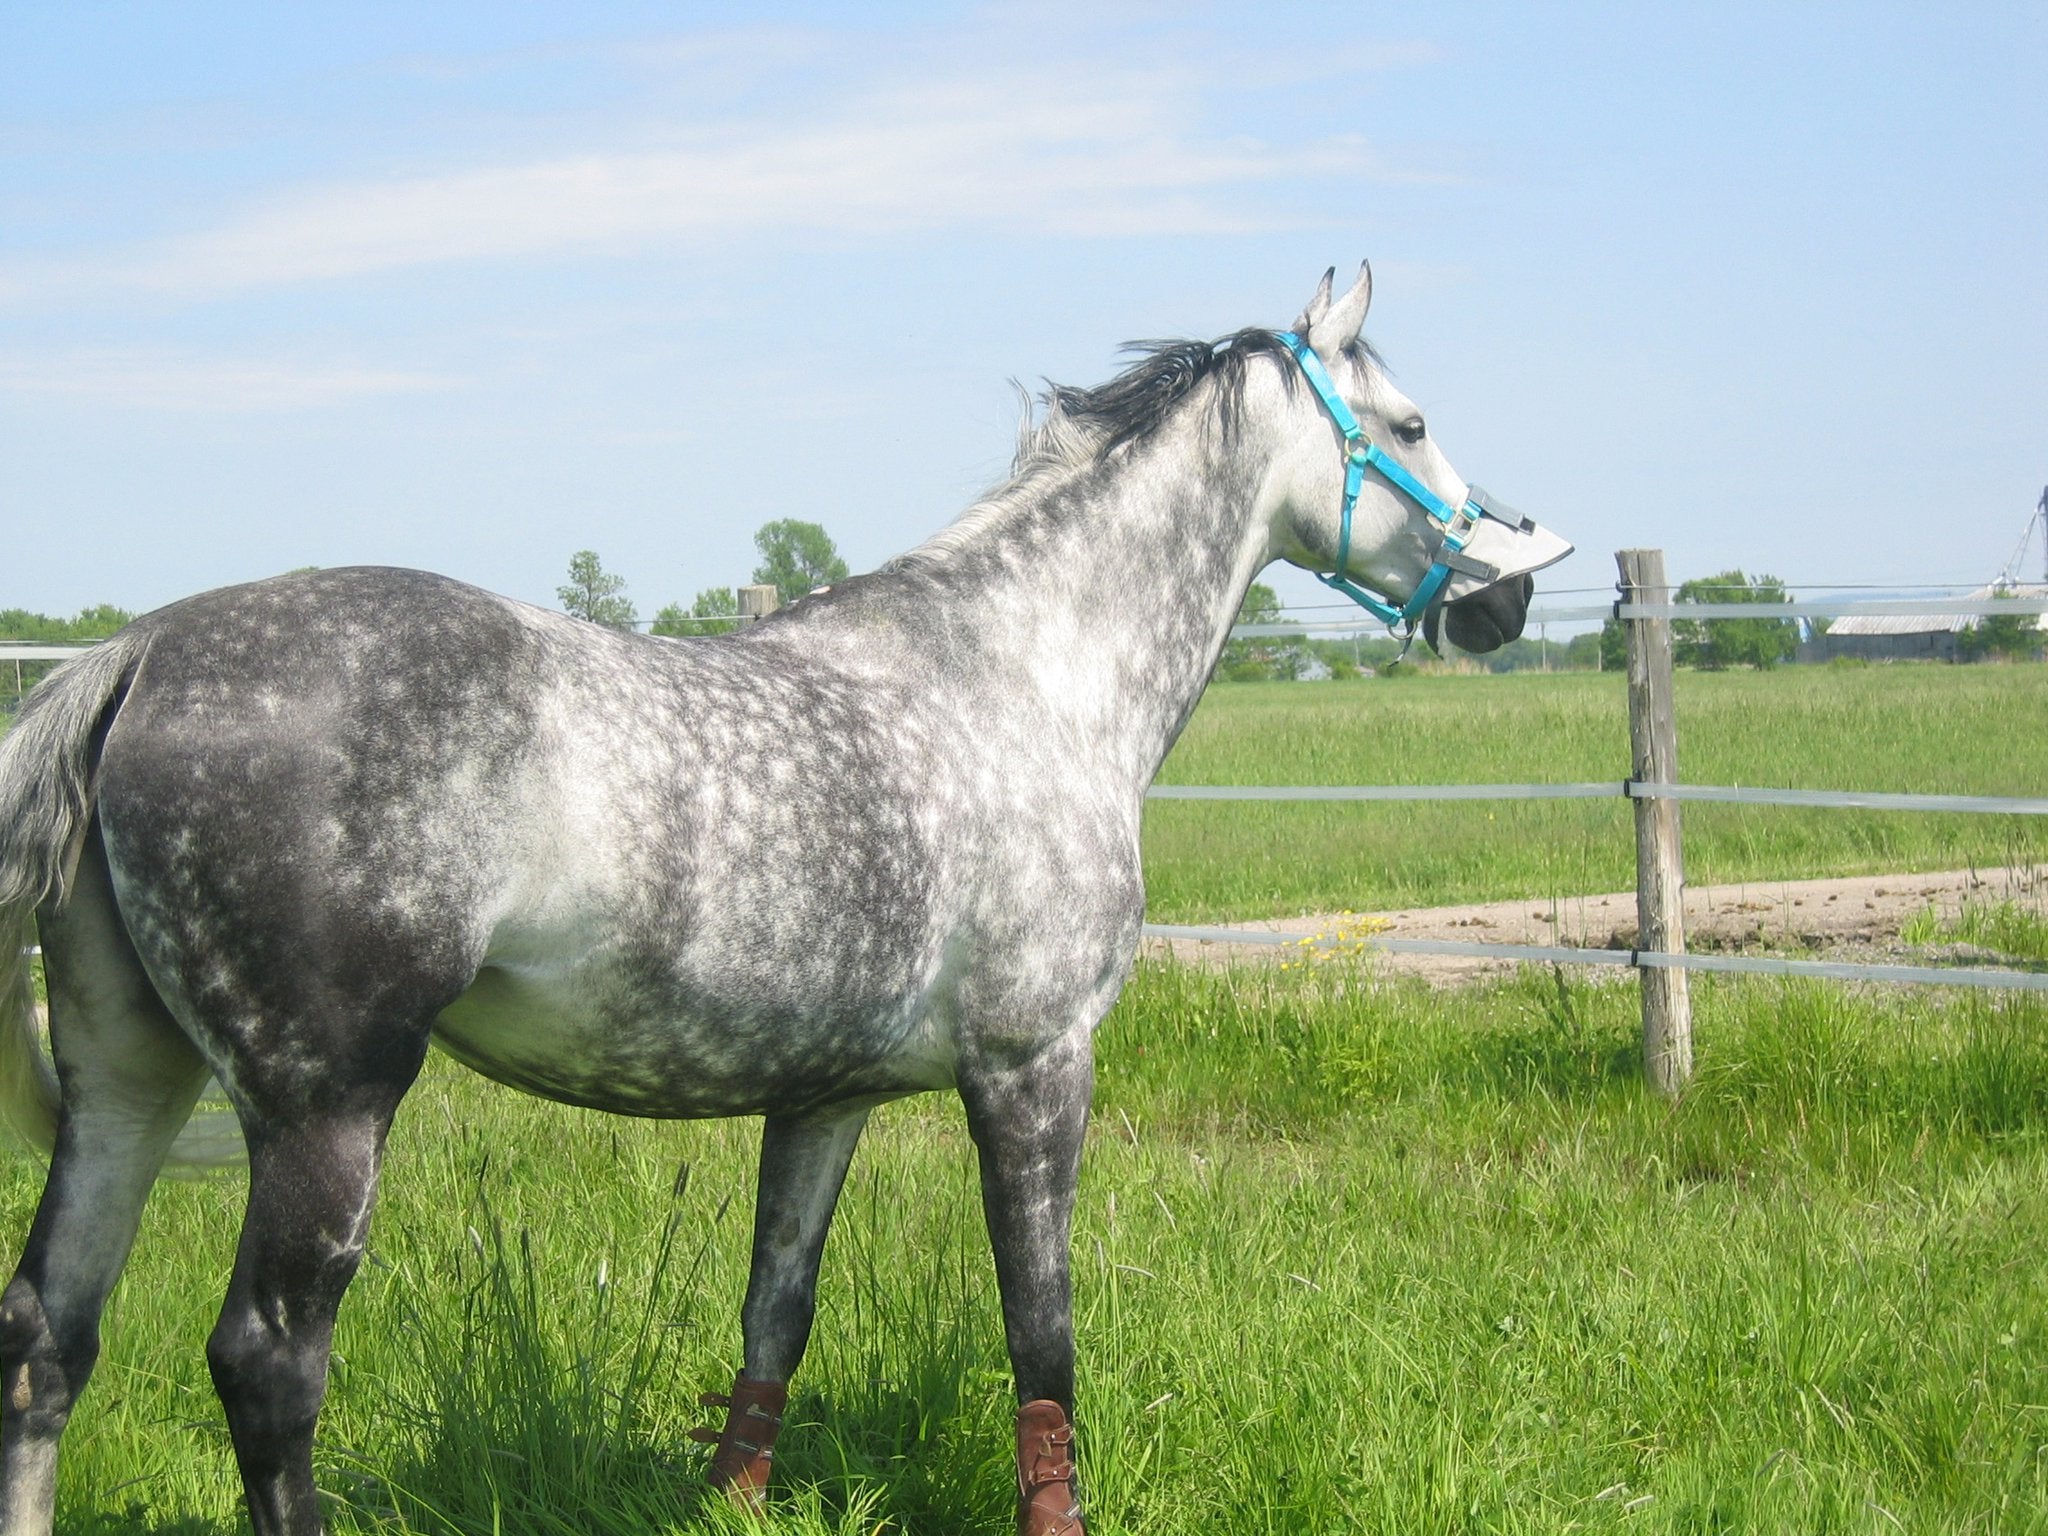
1910	636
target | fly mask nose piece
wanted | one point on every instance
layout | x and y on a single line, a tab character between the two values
1479	543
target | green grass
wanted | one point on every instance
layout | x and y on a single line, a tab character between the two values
1351	1255
2017	930
1959	730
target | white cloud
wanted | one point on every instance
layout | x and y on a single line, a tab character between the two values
159	381
1075	149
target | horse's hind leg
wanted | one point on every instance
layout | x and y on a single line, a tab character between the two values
312	1179
804	1159
129	1080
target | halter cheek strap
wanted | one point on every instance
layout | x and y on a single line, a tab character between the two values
1454	524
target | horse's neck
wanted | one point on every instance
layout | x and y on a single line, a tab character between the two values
1116	591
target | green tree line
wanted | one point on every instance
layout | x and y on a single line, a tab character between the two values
16	678
796	557
1710	645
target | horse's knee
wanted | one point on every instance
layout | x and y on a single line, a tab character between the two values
24	1327
42	1368
269	1380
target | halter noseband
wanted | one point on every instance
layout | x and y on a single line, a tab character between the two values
1454	524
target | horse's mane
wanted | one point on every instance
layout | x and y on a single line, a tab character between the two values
1072	429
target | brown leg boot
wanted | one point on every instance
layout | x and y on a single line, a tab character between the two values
746	1446
1046	1502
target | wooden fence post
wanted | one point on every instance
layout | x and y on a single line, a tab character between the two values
758	602
1660	859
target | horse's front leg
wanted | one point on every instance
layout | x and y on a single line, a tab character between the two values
803	1166
1027	1118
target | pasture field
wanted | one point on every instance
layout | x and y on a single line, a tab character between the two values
1351	1255
1951	730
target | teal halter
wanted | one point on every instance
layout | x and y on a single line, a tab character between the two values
1454	524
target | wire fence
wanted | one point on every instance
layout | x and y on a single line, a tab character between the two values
1627	789
1622	609
1641	959
1815	608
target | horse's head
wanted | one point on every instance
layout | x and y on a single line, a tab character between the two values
1369	503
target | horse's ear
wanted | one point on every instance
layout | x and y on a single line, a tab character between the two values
1337	325
1316	307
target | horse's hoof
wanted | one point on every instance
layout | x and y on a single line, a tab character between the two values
746	1445
1047	1504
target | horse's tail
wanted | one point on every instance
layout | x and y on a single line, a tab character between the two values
28	1083
49	766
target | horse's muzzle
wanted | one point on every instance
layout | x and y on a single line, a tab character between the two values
1484	620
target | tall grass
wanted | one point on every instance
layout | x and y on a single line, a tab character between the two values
2014	928
1351	1255
1960	730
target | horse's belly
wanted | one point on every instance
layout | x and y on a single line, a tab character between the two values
565	1039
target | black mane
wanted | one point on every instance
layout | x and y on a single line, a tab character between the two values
1133	404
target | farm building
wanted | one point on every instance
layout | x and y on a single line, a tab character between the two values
1912	636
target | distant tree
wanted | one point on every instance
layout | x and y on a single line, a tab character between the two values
99	621
94	623
595	594
1523	655
1262	658
796	557
1712	644
1582	653
717	610
1613	648
713	613
1353	656
2014	636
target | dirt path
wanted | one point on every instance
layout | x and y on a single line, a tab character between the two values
1859	916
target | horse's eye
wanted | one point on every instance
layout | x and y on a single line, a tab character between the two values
1410	431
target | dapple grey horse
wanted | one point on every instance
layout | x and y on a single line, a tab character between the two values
289	834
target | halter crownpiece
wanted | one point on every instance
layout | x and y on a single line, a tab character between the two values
1478	544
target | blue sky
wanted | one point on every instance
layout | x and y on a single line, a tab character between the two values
472	287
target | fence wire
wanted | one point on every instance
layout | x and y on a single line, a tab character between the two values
1630	789
1637	959
1806	608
